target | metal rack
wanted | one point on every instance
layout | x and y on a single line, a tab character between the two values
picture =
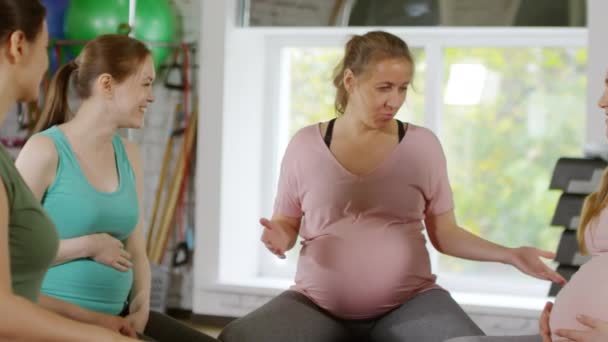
576	178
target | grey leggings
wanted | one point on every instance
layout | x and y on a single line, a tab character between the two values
432	316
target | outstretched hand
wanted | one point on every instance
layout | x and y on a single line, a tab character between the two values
528	260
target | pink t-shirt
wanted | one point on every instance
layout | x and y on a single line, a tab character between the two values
586	292
363	251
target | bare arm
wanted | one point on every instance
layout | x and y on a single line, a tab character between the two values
73	249
37	164
101	247
136	246
67	310
451	239
15	310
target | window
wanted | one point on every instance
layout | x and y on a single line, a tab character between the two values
521	109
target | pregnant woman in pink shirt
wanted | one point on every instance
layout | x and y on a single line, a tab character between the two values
357	190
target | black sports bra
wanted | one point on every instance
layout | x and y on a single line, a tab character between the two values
330	131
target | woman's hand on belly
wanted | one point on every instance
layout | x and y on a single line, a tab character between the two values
598	331
109	251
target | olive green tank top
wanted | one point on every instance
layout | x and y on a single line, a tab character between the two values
32	240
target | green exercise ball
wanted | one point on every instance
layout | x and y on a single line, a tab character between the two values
155	21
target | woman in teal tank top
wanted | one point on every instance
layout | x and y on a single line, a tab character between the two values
89	180
81	209
28	238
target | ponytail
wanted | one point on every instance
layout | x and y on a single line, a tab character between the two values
56	109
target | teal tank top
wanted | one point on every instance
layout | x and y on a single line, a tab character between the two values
78	209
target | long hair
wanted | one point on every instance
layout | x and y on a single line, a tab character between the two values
593	205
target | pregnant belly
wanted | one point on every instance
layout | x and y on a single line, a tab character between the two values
89	284
586	293
365	272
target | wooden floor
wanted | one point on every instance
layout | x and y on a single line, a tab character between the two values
209	330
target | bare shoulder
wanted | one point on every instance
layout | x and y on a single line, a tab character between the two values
40	144
37	163
39	151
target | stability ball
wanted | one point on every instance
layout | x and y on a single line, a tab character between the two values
155	21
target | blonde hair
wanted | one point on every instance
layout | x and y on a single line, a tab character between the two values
360	52
593	205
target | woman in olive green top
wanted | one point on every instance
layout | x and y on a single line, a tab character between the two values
28	239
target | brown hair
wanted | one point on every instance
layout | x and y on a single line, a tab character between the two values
21	15
360	52
592	206
117	55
